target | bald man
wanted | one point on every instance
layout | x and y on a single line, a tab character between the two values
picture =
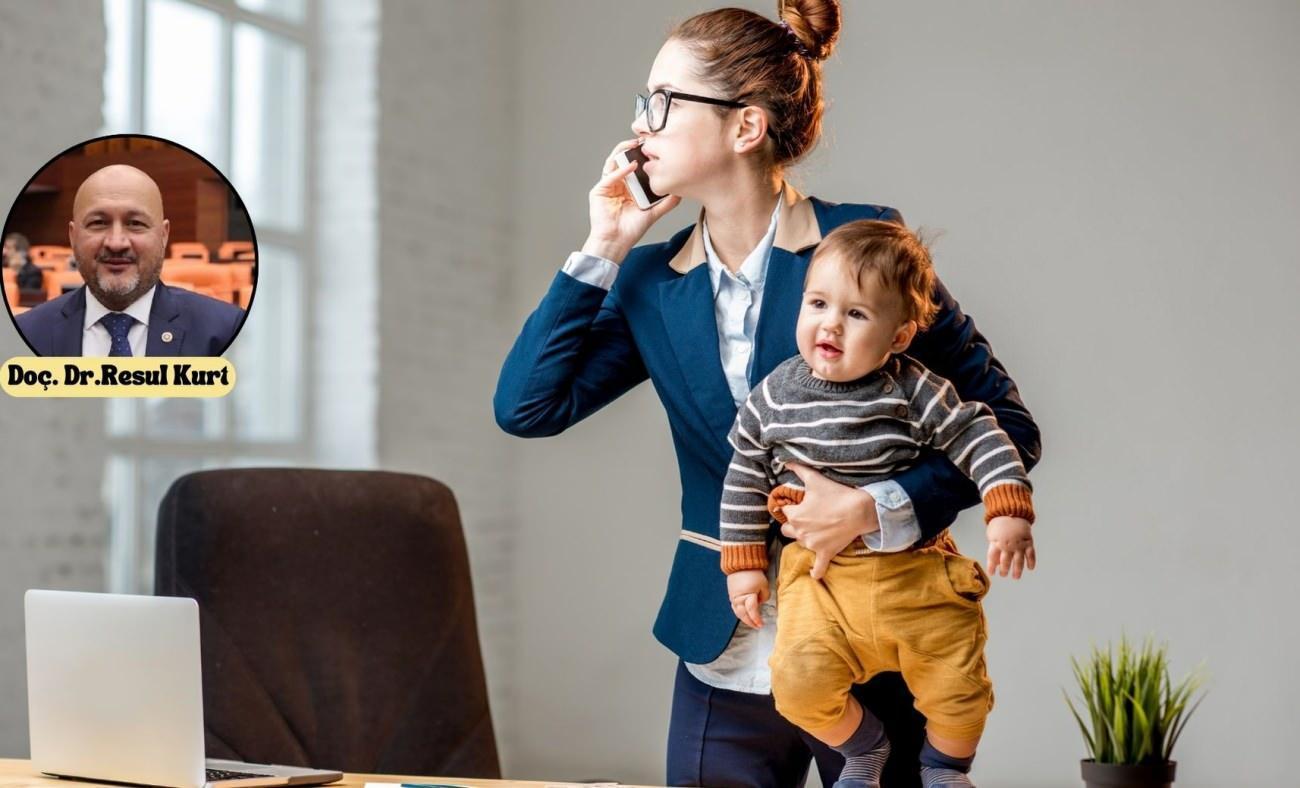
118	235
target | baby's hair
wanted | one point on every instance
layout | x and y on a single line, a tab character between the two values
896	255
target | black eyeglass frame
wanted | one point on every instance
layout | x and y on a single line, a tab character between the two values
643	104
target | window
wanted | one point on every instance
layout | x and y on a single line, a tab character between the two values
229	80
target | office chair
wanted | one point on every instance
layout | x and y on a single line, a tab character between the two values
336	617
217	280
188	250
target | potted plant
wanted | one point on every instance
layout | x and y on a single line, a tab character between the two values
1132	715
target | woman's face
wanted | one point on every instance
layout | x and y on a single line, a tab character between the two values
693	147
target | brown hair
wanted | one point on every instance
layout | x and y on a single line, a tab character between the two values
775	66
893	253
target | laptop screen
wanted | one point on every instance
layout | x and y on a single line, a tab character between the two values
114	687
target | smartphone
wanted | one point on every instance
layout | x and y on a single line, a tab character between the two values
637	181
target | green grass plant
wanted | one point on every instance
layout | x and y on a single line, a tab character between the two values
1132	712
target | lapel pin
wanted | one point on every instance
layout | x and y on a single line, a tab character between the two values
167	336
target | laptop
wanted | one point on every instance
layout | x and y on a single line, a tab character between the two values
115	693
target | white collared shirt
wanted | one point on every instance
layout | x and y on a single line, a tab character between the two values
737	299
95	339
742	665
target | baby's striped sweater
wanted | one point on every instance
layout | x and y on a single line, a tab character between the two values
857	433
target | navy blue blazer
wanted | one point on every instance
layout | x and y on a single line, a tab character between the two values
199	325
582	348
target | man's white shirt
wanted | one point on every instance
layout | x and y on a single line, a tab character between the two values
95	339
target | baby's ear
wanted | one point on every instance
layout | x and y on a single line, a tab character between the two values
903	336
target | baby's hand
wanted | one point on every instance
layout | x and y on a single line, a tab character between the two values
747	590
1011	546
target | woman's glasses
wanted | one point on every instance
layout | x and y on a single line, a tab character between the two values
656	106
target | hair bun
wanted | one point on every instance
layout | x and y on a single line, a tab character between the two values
816	23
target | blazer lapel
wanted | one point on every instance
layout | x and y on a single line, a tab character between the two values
166	325
686	303
798	231
774	339
68	332
687	306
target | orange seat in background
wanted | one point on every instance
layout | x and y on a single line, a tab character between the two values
184	250
55	280
11	286
214	280
54	258
236	250
242	275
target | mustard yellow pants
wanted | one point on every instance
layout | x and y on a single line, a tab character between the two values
917	612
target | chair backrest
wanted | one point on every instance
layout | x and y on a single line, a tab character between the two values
11	286
52	257
189	250
337	619
241	275
236	250
55	281
215	280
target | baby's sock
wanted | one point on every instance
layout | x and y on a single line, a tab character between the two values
944	771
864	753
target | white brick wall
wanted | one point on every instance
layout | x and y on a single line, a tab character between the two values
53	530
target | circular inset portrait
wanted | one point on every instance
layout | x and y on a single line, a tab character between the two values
129	245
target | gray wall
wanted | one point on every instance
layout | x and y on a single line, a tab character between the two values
443	179
1116	184
599	506
54	529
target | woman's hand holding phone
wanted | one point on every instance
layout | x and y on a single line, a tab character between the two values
616	221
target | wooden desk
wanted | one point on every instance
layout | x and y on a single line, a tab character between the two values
16	773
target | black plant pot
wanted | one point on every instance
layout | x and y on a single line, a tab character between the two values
1116	775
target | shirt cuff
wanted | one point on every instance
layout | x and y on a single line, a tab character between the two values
592	270
899	528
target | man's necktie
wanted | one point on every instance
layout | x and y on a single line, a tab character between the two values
118	324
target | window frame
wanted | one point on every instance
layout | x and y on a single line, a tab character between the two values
132	517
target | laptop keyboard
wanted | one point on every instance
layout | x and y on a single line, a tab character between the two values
216	775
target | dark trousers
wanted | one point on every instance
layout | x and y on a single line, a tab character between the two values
725	739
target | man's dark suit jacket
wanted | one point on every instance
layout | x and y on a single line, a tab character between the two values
198	325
